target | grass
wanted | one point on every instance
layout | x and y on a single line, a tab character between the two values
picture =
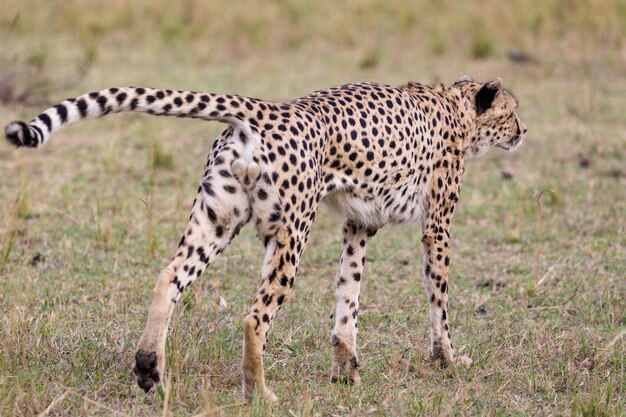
538	278
18	209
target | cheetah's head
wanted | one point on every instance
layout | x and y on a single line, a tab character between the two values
497	122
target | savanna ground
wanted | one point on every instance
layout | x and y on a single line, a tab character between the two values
538	274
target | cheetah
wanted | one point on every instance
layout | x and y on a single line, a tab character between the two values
377	154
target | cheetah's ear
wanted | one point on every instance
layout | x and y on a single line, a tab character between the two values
486	94
464	79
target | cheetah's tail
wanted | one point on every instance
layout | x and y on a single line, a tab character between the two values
229	109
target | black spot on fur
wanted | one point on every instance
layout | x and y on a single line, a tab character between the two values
61	112
46	120
81	105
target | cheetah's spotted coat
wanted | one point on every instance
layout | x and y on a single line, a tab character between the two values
376	153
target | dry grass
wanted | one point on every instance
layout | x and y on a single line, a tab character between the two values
538	282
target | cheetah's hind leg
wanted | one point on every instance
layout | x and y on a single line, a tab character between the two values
219	211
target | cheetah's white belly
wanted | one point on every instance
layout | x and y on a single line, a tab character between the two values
367	213
371	211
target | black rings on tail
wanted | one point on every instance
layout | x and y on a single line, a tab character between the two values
20	134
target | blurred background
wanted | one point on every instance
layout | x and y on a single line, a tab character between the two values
538	278
53	46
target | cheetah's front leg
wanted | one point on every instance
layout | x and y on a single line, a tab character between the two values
345	361
436	239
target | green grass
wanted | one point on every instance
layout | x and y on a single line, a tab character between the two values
538	286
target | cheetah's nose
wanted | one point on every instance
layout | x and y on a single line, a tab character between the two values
525	130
